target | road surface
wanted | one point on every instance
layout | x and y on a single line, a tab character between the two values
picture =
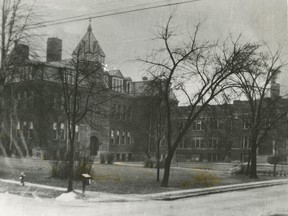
262	201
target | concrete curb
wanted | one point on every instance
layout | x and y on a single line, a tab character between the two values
174	195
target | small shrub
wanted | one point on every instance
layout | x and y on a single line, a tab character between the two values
161	163
109	158
186	184
60	169
205	179
149	163
102	158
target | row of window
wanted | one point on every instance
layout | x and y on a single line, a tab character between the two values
198	142
25	130
213	143
118	85
120	137
121	112
59	131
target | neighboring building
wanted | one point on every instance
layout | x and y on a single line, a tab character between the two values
222	132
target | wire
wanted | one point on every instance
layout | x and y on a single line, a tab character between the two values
85	15
76	19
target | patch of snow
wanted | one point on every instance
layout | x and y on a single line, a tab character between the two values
67	197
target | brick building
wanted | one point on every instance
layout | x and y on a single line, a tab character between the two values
222	133
35	123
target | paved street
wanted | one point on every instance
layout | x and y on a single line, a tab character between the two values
262	202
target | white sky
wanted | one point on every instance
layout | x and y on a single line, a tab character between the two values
127	36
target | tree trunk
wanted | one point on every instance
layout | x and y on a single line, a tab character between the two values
158	160
248	165
70	167
274	169
253	168
168	160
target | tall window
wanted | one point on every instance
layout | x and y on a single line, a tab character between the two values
197	142
25	129
123	138
128	86
117	137
213	143
197	125
112	137
117	84
245	142
31	128
246	123
77	133
18	129
128	138
62	131
54	131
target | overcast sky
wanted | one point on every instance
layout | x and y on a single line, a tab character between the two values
127	36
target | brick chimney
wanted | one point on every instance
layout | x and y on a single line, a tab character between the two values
54	49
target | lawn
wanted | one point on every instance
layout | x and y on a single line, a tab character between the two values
120	179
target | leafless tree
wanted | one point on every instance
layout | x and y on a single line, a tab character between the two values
85	95
16	16
256	80
200	70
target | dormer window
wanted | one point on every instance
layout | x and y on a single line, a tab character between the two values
117	84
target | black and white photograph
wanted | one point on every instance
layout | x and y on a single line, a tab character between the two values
143	107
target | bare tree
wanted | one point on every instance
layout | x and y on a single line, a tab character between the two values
256	80
85	95
200	70
16	16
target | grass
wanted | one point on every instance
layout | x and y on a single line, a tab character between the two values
118	178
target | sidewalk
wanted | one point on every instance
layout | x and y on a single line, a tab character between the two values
92	196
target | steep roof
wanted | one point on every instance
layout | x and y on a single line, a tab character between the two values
89	45
116	73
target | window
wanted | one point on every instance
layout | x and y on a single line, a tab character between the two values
117	84
119	112
197	125
128	116
62	102
213	124
128	138
128	86
213	143
31	128
62	131
245	142
18	129
197	142
117	137
124	113
54	132
112	137
25	129
246	123
113	110
77	133
123	138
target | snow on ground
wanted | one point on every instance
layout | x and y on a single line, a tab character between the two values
67	197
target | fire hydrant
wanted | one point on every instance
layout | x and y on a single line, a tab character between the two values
22	178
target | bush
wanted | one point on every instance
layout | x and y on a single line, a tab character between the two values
152	163
149	163
102	158
109	158
60	169
205	179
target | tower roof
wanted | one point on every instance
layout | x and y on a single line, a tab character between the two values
89	46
